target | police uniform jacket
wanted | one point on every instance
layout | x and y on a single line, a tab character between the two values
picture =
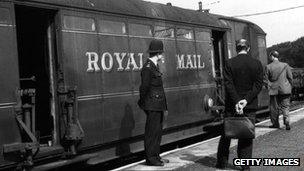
279	78
152	95
243	77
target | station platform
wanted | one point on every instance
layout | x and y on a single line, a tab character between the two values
269	143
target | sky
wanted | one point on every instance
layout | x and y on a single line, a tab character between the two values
280	26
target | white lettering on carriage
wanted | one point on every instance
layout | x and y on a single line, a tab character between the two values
107	61
192	62
180	61
119	60
92	62
110	61
131	61
140	60
200	66
189	62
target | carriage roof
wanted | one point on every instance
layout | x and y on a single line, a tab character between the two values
257	28
140	8
149	10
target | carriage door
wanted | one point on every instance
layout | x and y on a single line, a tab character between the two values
9	132
218	61
36	42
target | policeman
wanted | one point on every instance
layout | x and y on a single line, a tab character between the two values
153	102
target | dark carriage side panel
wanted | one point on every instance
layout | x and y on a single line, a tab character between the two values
241	31
118	105
207	86
204	49
9	130
9	76
166	33
8	56
231	39
169	65
230	44
80	45
140	35
188	63
261	43
263	97
254	49
258	51
91	119
115	56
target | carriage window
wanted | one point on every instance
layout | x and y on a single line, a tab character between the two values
79	23
112	27
163	32
261	42
229	36
202	36
241	31
184	34
4	16
140	30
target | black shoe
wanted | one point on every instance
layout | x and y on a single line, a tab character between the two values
288	127
163	160
220	166
274	126
154	163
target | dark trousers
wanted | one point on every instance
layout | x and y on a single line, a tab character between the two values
279	104
244	148
153	134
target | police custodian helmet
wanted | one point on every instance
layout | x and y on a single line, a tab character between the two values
274	53
242	43
156	46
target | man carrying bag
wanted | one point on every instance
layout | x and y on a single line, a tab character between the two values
243	77
278	75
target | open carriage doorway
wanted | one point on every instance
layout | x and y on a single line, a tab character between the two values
36	42
219	61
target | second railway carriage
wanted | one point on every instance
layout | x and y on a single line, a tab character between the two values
70	73
298	84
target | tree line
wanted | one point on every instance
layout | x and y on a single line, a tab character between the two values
291	52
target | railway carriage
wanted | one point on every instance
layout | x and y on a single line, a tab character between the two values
298	84
70	73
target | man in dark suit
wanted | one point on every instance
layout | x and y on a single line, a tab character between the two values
243	77
153	102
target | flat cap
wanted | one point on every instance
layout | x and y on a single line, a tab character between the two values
274	53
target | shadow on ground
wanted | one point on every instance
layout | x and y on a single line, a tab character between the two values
204	163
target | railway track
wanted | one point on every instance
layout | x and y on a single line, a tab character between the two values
261	116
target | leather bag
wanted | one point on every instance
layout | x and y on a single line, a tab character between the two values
285	88
239	127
